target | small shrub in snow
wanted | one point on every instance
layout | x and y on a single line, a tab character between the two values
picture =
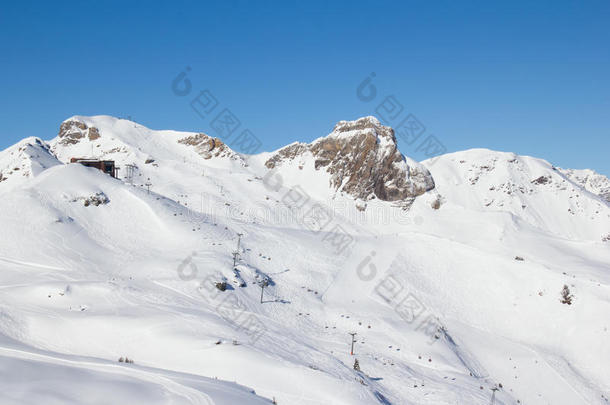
222	286
519	258
566	296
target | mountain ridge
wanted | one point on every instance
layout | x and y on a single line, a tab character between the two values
359	160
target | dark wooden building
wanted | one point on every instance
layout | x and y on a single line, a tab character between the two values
106	166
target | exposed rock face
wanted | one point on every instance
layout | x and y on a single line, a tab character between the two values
542	180
289	152
364	161
71	132
94	134
207	146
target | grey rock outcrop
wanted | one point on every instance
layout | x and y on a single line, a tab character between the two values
363	160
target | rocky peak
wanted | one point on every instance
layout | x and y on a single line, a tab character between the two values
369	125
208	147
72	131
363	160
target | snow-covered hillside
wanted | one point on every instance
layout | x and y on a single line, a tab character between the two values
25	160
590	181
454	297
529	189
31	376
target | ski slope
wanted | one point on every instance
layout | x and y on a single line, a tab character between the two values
93	269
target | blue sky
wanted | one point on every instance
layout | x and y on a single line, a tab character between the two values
522	76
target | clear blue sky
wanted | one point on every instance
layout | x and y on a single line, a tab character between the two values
525	76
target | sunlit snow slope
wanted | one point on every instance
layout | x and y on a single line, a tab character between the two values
94	268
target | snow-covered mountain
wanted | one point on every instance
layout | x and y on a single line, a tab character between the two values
449	272
529	189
